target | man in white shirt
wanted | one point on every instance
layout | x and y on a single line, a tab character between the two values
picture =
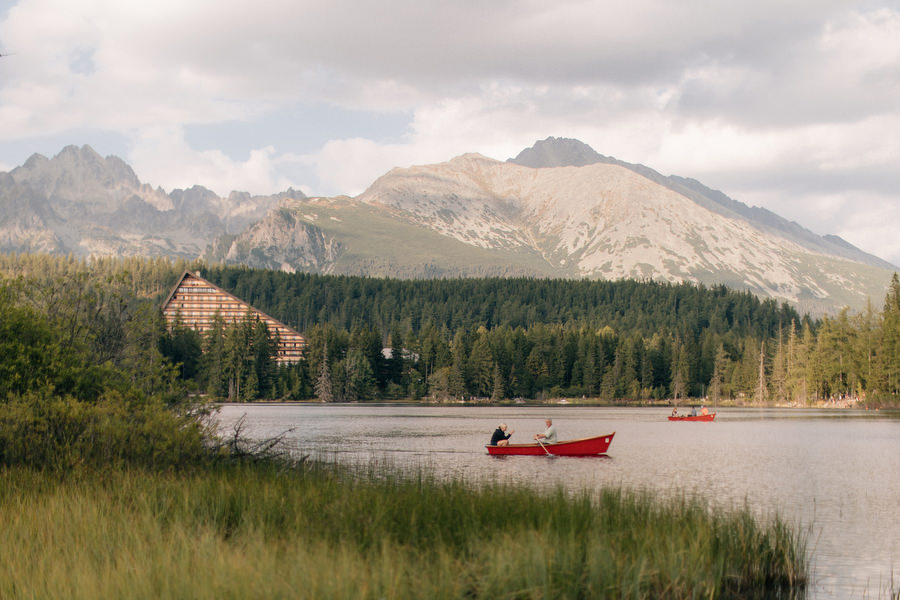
549	435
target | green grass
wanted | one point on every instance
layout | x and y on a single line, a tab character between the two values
264	530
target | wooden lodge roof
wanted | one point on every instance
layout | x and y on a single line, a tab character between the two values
196	301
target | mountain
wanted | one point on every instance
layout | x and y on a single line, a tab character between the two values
558	209
562	152
82	204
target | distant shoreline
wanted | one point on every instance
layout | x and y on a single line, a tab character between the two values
566	402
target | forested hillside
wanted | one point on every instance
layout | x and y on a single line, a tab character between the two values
492	339
303	300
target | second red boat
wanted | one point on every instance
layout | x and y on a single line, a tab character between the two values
708	417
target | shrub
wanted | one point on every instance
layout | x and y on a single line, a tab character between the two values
44	431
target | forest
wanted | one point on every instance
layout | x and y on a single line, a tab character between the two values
485	340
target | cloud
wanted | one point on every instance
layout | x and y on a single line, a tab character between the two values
870	222
787	105
156	150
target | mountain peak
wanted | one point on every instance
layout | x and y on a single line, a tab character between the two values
85	153
557	152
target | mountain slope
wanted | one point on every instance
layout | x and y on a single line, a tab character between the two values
558	152
83	204
603	220
344	236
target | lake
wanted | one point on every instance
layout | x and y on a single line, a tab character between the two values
835	473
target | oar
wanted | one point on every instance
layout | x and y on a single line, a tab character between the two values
544	447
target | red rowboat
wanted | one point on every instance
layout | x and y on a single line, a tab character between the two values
591	446
708	417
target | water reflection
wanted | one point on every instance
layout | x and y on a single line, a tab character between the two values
836	473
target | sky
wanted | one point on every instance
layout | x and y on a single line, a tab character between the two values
791	105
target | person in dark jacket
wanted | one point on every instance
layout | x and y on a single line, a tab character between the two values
500	437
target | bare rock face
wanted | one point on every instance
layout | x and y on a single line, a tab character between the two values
281	241
82	204
558	152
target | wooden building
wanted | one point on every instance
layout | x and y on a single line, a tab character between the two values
196	301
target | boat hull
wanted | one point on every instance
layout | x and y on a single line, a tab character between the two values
592	446
709	417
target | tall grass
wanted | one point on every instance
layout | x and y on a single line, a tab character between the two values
265	531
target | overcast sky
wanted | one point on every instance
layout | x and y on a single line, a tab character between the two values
793	105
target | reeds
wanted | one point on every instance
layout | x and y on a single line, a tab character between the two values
320	531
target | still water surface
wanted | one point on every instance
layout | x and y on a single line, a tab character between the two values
834	473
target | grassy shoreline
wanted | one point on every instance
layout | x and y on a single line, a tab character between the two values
267	529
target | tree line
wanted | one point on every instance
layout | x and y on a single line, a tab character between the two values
500	339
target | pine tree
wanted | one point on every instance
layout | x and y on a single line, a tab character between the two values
890	362
213	359
498	392
589	366
359	378
866	353
323	381
456	382
718	376
779	368
396	364
680	374
481	367
762	389
806	364
265	359
238	357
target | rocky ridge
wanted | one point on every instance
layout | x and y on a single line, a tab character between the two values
82	204
558	209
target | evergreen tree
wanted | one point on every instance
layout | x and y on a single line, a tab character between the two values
646	376
634	359
589	379
795	371
680	373
323	381
718	376
458	386
396	364
538	369
608	383
498	391
213	359
265	359
890	342
866	351
779	369
762	388
238	359
481	367
439	384
359	378
183	346
456	382
369	343
806	365
292	382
